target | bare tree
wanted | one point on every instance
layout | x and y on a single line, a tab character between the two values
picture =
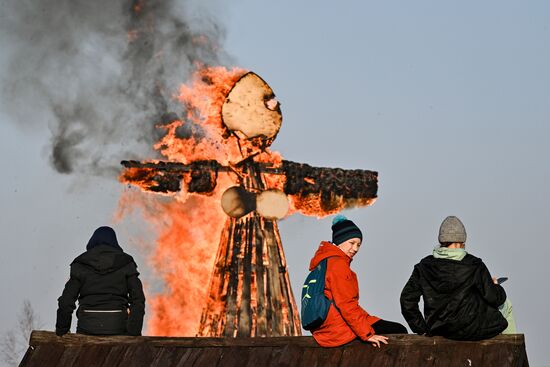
15	342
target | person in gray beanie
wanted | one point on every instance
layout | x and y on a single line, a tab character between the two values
461	299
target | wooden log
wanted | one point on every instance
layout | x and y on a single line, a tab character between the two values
303	179
41	337
331	187
402	350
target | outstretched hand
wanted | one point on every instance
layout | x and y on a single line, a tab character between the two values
375	340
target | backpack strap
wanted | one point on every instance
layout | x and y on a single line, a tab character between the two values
332	301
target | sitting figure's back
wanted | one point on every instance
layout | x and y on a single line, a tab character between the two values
105	281
461	299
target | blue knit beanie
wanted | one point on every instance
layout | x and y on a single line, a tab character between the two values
344	229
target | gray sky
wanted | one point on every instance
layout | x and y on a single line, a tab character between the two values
449	102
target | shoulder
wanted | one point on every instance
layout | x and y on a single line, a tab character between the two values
338	261
131	266
79	258
127	258
338	264
425	261
471	259
77	270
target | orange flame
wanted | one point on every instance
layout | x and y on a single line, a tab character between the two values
188	225
203	100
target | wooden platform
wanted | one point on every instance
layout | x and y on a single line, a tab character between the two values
46	349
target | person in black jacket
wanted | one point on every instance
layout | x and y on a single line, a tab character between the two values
461	300
106	283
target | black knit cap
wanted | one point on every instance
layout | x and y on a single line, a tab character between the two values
344	229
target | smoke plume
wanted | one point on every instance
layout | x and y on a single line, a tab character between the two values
101	73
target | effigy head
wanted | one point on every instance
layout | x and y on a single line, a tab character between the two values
251	112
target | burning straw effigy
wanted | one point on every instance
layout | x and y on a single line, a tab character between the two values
249	292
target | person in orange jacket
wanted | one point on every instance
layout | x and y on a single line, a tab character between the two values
346	320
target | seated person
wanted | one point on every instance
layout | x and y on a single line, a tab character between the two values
105	281
461	300
346	319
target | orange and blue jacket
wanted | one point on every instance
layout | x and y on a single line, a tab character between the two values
347	320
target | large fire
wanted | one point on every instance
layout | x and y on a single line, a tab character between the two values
205	158
188	225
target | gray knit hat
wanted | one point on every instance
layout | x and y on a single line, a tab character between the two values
452	230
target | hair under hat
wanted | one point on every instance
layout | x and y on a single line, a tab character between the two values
344	229
452	230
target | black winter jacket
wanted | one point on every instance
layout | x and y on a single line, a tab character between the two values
105	281
460	299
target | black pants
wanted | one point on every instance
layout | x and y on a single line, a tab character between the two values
388	327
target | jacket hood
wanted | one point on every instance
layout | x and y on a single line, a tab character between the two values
326	249
445	274
104	259
103	236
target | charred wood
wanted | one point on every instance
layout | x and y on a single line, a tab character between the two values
302	180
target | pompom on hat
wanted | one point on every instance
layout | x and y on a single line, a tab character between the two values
344	229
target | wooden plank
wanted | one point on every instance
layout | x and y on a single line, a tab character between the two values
411	356
208	357
43	355
469	355
233	279
69	356
139	355
287	356
178	356
163	357
382	356
403	350
93	356
494	354
237	356
26	361
245	315
40	337
116	354
169	356
189	357
394	353
259	357
316	357
352	355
